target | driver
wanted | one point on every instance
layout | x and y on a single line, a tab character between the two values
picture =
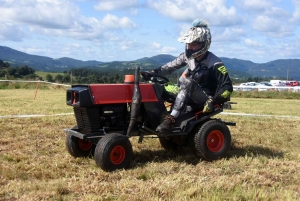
205	82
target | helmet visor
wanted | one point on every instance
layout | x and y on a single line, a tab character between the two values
194	49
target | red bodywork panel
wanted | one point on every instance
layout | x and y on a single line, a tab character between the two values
120	93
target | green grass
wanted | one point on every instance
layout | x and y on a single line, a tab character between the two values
43	74
262	164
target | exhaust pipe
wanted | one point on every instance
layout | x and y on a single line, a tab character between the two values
136	101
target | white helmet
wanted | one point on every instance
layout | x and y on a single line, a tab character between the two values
198	33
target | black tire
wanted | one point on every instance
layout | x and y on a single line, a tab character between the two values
212	141
227	106
78	147
113	151
168	144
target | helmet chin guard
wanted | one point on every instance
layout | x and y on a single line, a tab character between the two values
198	33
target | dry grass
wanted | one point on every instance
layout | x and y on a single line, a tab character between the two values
263	163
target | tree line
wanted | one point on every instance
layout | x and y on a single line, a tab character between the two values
87	76
10	72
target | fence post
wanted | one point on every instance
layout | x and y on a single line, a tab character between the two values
36	89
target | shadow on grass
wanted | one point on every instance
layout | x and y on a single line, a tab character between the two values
185	155
182	155
254	151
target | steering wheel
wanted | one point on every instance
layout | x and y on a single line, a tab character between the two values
154	77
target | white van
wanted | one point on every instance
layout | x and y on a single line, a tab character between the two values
277	83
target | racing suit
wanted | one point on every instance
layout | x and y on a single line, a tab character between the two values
205	79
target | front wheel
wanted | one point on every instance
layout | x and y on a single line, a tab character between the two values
78	147
113	151
212	141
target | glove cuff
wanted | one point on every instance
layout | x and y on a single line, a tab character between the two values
157	70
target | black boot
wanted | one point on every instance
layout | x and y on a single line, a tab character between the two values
166	126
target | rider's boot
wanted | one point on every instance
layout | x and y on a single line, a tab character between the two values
166	126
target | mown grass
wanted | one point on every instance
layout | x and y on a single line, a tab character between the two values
262	164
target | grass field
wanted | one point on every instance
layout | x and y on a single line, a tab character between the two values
262	164
43	74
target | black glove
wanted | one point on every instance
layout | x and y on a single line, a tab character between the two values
157	71
147	75
209	106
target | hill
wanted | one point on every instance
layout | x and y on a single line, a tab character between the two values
42	63
238	68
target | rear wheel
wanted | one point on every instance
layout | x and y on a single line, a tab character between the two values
113	151
212	141
78	147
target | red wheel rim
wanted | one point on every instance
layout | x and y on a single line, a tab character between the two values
215	141
84	145
117	155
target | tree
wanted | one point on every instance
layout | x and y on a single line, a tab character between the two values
112	79
49	78
104	78
118	78
11	71
66	78
4	64
59	78
25	70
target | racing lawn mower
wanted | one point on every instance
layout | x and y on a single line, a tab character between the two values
107	115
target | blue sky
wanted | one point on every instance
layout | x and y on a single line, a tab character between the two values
123	30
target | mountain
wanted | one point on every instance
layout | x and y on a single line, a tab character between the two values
17	58
281	68
237	68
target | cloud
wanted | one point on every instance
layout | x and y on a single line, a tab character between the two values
227	34
107	5
155	45
252	43
296	14
51	14
56	18
215	12
168	50
273	27
160	49
11	32
113	22
255	5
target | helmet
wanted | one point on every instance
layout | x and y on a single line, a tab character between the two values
198	33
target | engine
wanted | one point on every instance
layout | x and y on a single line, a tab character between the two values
92	119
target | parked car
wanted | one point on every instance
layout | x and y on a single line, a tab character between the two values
278	83
292	83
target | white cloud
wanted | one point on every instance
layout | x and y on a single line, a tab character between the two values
215	12
227	34
160	49
11	32
111	21
168	50
55	18
296	14
255	5
272	26
107	5
252	43
40	13
156	45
